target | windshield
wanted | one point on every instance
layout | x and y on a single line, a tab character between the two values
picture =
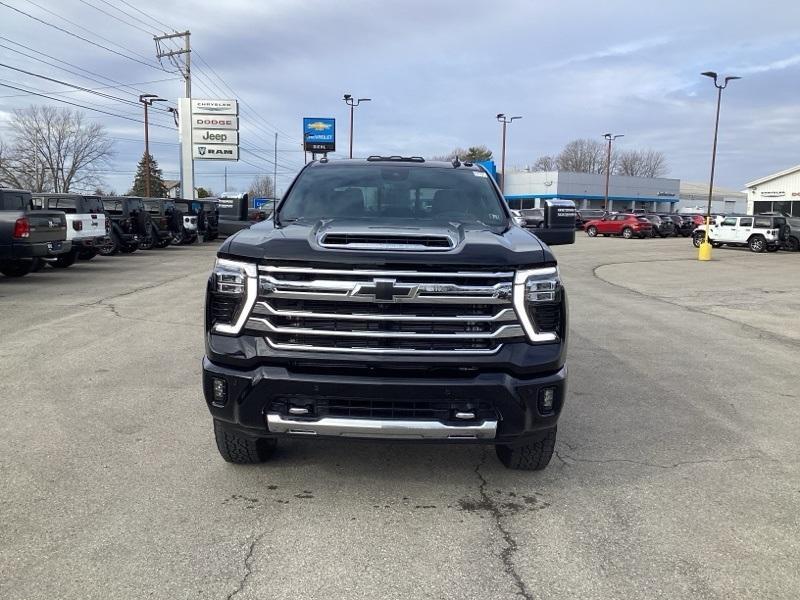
385	193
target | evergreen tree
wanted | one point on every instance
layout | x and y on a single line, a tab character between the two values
157	187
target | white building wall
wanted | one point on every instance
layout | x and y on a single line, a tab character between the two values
780	189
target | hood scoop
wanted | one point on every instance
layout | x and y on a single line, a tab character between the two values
405	241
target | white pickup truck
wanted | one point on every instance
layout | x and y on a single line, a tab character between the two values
87	226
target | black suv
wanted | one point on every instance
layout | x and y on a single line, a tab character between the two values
162	223
662	226
391	298
130	224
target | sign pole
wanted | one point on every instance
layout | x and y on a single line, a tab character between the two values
185	135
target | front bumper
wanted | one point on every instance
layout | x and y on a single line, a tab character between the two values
257	400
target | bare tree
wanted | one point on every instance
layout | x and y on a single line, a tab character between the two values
583	156
545	163
54	149
641	163
262	187
471	154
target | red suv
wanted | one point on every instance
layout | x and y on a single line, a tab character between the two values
626	225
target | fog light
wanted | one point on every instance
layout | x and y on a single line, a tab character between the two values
220	390
547	399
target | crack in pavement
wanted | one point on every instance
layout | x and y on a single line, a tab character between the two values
565	458
247	568
511	548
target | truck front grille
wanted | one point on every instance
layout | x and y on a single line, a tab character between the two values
391	311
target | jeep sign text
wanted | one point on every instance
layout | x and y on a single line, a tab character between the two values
215	136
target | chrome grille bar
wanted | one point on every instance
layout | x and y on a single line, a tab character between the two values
505	315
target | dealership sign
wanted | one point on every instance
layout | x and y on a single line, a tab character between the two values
215	107
215	152
319	134
215	130
773	194
215	122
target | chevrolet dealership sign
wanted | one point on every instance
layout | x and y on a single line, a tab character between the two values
215	129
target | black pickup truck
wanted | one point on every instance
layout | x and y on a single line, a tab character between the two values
391	298
27	235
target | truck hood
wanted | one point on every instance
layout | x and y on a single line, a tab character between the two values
472	244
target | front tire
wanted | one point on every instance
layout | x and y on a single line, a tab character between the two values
240	449
792	244
627	233
528	456
591	231
697	239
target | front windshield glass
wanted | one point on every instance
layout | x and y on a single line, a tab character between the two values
394	192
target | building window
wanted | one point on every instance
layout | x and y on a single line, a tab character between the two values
761	206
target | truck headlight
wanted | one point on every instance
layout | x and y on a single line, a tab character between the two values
538	301
232	293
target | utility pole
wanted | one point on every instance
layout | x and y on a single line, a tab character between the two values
610	137
147	100
505	121
352	103
185	105
226	178
275	169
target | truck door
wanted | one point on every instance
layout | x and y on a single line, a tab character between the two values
744	229
725	232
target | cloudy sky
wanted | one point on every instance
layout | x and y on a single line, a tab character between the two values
437	71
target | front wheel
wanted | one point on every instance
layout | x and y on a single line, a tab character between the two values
792	244
528	456
591	231
627	233
757	243
241	449
18	268
697	239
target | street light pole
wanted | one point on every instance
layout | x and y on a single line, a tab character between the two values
147	100
352	103
704	252
610	137
505	121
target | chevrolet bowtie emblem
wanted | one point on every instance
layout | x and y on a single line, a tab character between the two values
386	290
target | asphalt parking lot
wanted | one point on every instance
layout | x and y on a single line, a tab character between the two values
676	475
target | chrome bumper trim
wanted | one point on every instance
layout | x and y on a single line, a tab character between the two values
376	429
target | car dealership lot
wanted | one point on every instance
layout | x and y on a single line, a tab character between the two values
676	476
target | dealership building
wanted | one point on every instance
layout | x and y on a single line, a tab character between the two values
779	192
528	189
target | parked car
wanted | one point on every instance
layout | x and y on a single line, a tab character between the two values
529	218
208	220
661	227
759	232
583	216
624	224
681	227
130	224
28	235
186	232
792	241
87	226
160	211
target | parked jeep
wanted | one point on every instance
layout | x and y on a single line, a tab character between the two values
27	235
87	226
208	220
187	222
759	233
162	224
130	223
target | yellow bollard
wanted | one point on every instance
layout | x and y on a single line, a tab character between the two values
704	253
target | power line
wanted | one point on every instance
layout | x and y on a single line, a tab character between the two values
159	23
59	93
79	74
13	87
80	37
113	16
